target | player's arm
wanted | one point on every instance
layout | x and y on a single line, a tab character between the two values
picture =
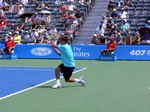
55	48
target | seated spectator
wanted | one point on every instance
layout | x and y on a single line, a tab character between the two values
39	39
95	39
100	30
110	6
20	25
70	32
119	39
34	20
26	37
147	25
3	23
120	3
41	29
47	38
9	46
72	7
127	3
24	2
64	16
53	34
11	7
146	37
102	39
137	39
72	15
124	26
123	14
17	38
33	35
111	46
114	14
114	30
109	26
128	40
63	7
79	16
5	5
21	10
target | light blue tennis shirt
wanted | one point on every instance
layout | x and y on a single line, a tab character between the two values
67	56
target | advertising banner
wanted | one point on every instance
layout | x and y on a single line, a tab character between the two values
90	52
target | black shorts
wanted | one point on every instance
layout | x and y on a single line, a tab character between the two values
67	71
6	50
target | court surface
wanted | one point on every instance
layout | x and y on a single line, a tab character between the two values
122	86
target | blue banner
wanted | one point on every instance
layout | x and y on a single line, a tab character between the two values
90	52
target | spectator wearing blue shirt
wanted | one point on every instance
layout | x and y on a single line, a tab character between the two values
114	14
147	25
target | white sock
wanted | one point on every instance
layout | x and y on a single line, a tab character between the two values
58	81
77	80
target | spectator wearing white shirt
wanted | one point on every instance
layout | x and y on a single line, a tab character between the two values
71	7
123	14
99	30
53	34
24	2
21	10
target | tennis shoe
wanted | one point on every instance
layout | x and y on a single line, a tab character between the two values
82	82
57	86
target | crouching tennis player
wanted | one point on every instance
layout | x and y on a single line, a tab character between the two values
68	65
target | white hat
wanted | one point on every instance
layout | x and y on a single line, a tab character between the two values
102	34
10	33
148	21
17	32
114	9
119	33
95	35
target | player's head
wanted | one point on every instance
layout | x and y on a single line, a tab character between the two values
63	39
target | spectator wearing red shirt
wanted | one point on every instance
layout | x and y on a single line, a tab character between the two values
3	22
63	7
9	46
111	46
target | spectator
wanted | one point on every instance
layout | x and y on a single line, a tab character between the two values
127	3
120	3
72	7
9	46
114	14
17	38
41	29
70	32
34	20
119	39
123	14
11	7
124	26
136	39
26	37
111	46
33	35
110	7
72	15
39	39
47	38
146	37
95	39
100	30
63	7
147	25
24	2
79	16
21	10
20	25
53	34
102	39
128	40
3	23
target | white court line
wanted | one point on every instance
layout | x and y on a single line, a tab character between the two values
35	86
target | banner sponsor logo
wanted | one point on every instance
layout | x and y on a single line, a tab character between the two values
41	51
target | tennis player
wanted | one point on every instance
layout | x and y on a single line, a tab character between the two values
68	65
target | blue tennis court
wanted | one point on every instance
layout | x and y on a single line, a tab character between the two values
18	79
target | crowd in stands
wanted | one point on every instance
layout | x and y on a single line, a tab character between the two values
127	21
41	21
